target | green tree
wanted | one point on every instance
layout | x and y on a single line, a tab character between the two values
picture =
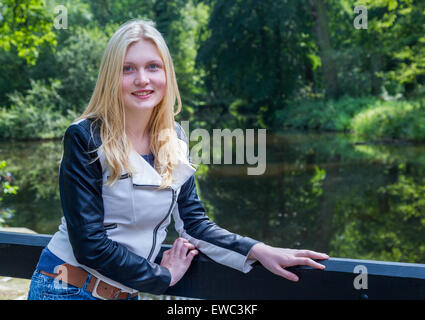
26	25
329	69
387	56
16	72
254	52
78	61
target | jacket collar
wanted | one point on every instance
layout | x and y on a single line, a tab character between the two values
146	175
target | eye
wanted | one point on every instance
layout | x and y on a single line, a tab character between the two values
153	66
127	68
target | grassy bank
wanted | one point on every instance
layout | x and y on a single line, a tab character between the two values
369	117
403	120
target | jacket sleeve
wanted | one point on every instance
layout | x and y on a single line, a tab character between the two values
80	183
217	243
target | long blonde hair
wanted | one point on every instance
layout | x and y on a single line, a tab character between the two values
106	105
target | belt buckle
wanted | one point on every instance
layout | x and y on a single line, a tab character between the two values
96	295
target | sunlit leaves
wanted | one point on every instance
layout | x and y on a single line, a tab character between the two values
26	25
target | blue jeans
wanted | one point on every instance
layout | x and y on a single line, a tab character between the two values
43	287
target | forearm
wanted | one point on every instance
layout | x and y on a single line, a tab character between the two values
219	244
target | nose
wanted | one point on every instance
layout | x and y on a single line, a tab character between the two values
141	79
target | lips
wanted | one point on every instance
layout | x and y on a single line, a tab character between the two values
142	94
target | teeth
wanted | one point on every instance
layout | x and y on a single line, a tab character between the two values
142	93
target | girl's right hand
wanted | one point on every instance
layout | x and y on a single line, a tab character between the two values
178	259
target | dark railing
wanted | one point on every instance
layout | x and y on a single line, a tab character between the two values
343	279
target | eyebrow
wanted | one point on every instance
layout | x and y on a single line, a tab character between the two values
151	61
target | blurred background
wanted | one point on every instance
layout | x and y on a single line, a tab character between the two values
344	110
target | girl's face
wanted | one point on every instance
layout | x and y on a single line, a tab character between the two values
143	77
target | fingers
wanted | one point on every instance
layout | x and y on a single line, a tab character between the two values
311	254
306	262
189	246
178	246
181	247
289	275
285	273
191	255
280	270
304	255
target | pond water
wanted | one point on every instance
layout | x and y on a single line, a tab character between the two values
325	192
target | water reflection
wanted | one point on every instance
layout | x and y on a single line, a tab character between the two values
34	166
324	192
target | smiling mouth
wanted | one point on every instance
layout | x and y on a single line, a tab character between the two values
142	94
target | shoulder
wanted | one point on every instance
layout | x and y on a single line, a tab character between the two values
181	134
87	131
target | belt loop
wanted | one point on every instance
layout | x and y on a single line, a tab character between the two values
86	284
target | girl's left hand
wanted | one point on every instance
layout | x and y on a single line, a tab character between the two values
277	259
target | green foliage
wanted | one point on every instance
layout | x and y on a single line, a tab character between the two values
392	120
79	60
6	189
186	44
26	25
398	28
369	118
332	115
14	75
33	123
254	50
35	115
39	95
238	63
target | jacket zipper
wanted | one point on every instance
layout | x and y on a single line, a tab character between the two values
110	226
122	177
155	231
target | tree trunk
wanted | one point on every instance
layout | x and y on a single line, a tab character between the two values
375	62
319	12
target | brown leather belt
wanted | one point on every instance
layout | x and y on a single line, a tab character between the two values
77	277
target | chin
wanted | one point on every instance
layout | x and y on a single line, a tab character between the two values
143	105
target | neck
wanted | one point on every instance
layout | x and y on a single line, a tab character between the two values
136	129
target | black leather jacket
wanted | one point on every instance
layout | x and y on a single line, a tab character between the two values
80	182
